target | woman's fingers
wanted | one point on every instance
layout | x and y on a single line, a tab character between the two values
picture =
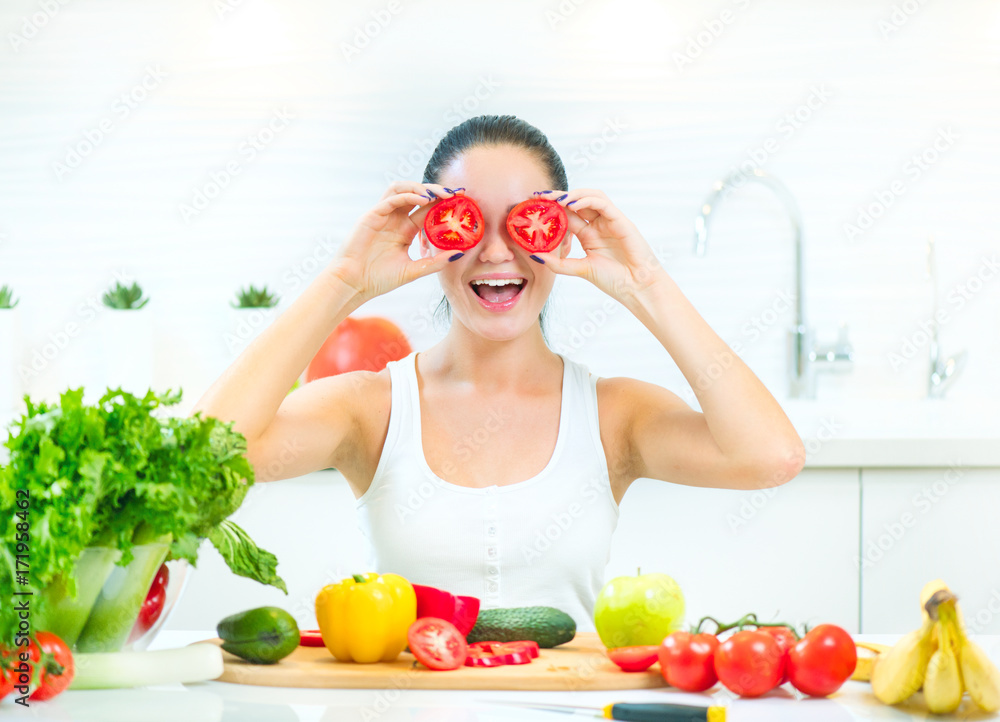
393	203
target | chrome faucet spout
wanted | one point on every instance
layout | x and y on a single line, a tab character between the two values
804	356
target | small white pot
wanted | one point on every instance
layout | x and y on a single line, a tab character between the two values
126	350
10	356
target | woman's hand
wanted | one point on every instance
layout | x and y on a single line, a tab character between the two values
375	257
619	260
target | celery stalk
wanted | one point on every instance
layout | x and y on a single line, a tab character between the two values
117	607
195	663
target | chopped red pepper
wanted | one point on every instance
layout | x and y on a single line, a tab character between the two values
495	654
310	638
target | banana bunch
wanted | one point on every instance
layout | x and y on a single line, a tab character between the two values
938	657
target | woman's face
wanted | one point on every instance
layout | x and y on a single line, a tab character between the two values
497	178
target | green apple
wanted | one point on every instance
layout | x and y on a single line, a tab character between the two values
638	610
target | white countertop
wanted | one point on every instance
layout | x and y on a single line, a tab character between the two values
222	702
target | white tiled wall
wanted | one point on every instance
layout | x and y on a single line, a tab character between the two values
684	93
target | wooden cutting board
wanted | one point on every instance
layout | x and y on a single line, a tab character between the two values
578	665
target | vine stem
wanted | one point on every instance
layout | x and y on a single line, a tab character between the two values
747	620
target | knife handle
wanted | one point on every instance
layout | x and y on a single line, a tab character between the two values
663	712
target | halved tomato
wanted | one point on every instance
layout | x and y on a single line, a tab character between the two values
454	224
437	643
635	659
537	224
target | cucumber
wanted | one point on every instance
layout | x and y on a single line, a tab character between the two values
263	635
548	626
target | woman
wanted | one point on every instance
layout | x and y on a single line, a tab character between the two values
489	465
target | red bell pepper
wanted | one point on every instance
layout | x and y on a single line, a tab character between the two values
460	611
496	654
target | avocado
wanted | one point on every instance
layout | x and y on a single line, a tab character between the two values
548	626
262	636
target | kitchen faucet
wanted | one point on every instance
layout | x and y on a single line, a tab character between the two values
804	356
943	372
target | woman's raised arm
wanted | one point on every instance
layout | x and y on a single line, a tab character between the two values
290	436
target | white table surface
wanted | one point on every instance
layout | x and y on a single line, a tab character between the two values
222	702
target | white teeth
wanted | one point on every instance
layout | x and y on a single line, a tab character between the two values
498	281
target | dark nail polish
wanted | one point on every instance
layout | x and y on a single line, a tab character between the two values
458	189
533	257
425	196
456	256
561	198
571	203
450	190
431	193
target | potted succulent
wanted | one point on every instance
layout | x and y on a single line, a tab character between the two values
127	339
10	350
252	311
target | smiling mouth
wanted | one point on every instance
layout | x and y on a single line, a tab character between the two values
498	292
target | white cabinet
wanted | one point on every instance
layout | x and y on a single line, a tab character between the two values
924	524
786	553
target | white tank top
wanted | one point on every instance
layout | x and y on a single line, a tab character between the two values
540	542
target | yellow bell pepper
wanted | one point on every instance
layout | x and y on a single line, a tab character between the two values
365	618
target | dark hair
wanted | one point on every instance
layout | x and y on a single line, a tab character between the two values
493	130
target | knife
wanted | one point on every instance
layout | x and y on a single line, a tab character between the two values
634	712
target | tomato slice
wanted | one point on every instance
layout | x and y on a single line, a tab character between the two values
454	224
310	638
635	659
437	643
538	225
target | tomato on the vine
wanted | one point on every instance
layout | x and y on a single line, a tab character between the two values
687	661
52	665
537	224
786	639
822	661
7	673
749	663
454	224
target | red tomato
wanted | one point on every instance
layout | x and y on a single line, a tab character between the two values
634	659
358	344
52	666
152	607
537	224
437	643
7	673
749	663
687	661
454	224
822	660
786	640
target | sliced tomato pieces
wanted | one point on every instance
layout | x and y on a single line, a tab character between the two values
454	224
437	643
495	654
310	638
538	225
635	659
